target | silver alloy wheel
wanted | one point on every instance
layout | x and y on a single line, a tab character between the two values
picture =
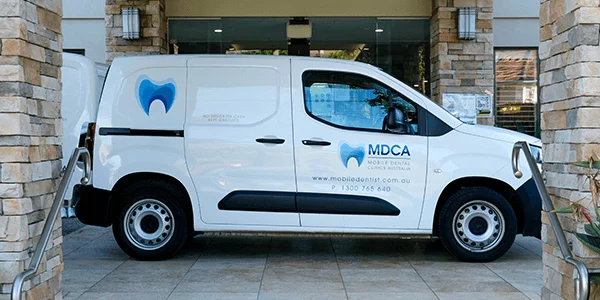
149	224
478	226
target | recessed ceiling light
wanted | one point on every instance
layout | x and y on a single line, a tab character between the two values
218	30
378	30
416	85
365	49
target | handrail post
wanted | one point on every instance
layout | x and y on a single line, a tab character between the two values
52	215
582	284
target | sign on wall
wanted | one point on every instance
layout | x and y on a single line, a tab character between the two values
468	107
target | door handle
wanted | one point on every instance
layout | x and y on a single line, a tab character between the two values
315	143
270	141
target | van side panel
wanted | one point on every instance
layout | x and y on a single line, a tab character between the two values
238	137
140	123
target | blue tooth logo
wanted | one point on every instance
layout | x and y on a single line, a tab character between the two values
148	92
347	152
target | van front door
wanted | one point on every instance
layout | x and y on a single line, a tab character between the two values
238	136
352	170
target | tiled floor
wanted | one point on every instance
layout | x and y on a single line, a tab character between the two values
296	268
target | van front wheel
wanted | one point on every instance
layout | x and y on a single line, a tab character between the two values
151	224
477	224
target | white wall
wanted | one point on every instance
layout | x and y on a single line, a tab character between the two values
83	27
516	23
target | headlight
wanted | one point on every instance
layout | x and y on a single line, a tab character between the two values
537	153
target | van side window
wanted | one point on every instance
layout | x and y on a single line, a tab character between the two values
352	101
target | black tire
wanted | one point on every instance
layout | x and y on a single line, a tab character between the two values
487	214
162	226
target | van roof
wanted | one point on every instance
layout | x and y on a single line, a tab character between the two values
181	59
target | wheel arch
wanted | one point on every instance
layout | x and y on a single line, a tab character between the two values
140	176
499	186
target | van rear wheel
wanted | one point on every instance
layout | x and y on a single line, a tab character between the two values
151	224
477	224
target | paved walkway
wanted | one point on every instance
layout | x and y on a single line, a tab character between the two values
296	268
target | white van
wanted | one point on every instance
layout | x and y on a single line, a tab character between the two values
81	78
205	144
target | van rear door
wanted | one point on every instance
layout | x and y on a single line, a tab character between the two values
238	140
80	94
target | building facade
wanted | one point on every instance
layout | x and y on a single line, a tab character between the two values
416	41
83	28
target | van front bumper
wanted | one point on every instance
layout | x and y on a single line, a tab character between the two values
531	202
93	207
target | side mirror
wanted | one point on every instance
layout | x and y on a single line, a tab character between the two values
392	121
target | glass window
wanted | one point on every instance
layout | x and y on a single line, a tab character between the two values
354	101
399	47
517	105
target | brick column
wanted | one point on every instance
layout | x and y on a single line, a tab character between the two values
30	129
153	24
461	66
570	99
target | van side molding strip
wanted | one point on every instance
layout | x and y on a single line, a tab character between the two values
311	203
260	201
317	203
140	132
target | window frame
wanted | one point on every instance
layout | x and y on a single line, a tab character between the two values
421	112
79	51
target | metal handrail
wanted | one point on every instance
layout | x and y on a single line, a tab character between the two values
582	284
56	205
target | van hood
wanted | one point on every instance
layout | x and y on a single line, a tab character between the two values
496	133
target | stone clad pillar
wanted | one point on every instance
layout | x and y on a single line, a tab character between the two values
30	129
461	66
153	25
570	99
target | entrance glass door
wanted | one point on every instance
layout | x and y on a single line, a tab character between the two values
400	47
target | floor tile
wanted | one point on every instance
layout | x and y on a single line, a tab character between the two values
468	286
80	275
226	280
213	296
121	296
104	249
390	296
444	271
367	262
295	287
207	262
71	295
533	296
530	243
234	286
386	286
124	285
305	274
525	276
481	296
401	273
239	272
130	271
341	295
